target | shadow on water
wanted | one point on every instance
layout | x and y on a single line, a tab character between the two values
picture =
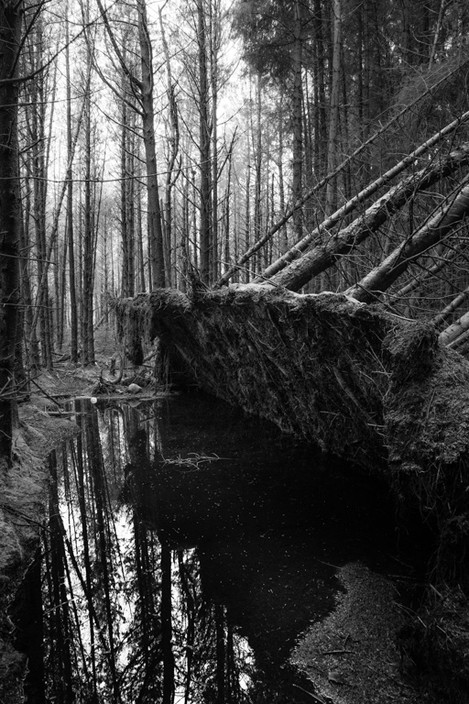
225	550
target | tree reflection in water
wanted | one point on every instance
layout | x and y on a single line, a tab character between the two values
125	619
178	533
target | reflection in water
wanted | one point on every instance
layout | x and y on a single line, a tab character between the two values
187	548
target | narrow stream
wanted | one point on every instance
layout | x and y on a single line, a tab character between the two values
187	549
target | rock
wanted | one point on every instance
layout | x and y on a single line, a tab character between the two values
134	388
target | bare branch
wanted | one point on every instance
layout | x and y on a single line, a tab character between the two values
447	215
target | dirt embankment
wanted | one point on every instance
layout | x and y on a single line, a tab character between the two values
22	506
44	424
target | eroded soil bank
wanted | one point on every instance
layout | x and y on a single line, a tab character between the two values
22	510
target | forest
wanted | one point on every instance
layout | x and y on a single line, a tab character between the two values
190	148
141	145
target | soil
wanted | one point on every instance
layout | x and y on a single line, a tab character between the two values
22	506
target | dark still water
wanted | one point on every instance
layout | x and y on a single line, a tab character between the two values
187	549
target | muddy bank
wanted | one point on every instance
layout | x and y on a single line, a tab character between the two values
22	510
372	648
354	654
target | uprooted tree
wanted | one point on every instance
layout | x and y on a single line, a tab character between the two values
373	383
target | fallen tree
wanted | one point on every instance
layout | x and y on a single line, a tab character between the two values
370	190
364	384
333	246
299	247
442	222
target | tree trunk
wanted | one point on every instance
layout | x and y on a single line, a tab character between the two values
451	334
10	31
204	149
171	176
155	230
88	236
448	310
383	276
214	79
331	191
69	221
321	257
297	119
257	131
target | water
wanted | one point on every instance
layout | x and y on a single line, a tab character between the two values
188	548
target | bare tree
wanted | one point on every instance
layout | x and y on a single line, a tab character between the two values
141	100
10	42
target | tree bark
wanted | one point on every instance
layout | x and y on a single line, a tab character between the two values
443	315
172	172
69	225
297	118
325	255
204	148
214	42
10	34
383	276
297	249
451	334
89	215
155	230
331	190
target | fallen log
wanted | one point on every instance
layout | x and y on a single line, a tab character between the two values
336	244
442	222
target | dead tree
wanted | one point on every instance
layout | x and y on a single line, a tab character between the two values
10	38
334	246
444	219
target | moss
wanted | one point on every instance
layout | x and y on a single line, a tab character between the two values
353	654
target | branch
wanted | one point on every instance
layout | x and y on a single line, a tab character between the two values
342	242
130	75
430	233
30	76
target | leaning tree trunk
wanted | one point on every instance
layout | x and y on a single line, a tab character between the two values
433	231
453	332
372	188
10	31
325	255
